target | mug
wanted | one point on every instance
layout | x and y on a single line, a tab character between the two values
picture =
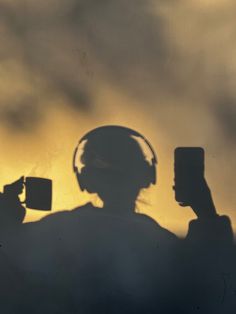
38	192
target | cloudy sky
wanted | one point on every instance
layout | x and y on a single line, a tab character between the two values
165	68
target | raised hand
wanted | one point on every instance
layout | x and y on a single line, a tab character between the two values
201	201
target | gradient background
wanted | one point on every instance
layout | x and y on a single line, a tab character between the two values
165	68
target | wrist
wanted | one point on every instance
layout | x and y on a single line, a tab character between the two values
205	212
207	215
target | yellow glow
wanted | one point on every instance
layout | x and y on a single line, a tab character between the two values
48	153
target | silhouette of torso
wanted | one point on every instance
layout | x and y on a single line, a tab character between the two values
97	261
91	260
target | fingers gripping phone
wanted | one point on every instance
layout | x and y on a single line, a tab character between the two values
188	171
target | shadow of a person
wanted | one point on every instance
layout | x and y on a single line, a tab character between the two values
110	259
113	259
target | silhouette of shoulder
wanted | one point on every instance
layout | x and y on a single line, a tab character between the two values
91	221
162	231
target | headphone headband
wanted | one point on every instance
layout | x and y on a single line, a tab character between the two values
122	129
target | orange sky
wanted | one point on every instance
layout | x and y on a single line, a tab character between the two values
48	151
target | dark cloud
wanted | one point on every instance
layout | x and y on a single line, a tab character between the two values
21	117
126	39
40	54
161	53
66	43
226	114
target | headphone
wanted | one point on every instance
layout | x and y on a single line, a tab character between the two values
82	176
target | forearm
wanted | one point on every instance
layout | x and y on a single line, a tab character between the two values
12	212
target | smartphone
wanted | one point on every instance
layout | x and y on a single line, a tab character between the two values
188	172
38	193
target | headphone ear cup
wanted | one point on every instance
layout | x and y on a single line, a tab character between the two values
153	174
145	176
80	181
86	180
150	177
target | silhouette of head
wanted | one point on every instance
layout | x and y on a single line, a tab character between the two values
114	165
